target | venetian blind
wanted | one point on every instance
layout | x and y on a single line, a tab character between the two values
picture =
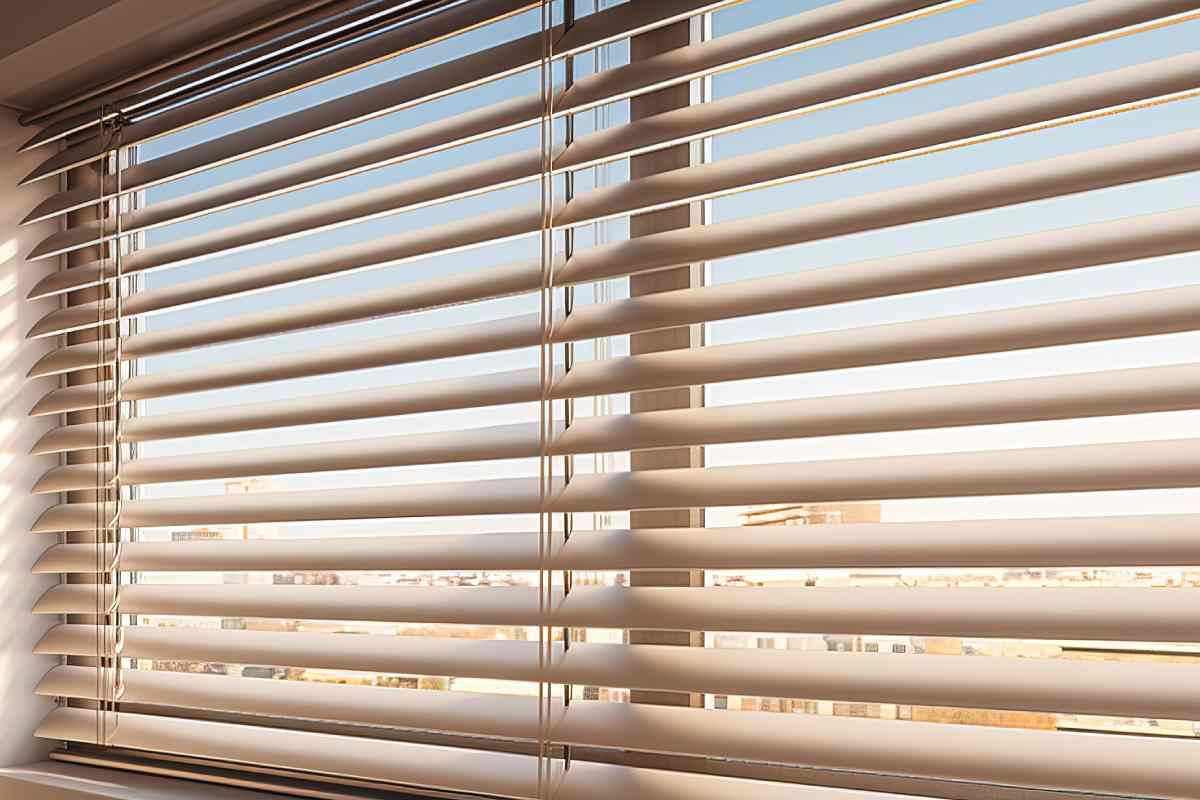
439	324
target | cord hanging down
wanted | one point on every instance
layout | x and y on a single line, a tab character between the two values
109	678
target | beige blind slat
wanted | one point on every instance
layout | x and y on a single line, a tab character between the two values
477	391
985	50
818	26
1095	319
1068	761
1148	313
1145	689
1079	172
1135	689
1104	167
412	655
1009	115
388	761
1129	239
475	337
478	444
473	179
479	606
489	282
1109	393
421	140
1152	539
1034	470
1026	39
444	238
1162	615
470	392
459	712
1080	762
488	551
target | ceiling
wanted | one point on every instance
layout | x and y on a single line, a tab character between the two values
71	45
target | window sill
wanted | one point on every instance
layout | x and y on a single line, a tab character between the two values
52	780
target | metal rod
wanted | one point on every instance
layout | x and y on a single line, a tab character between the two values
568	347
179	85
115	84
545	405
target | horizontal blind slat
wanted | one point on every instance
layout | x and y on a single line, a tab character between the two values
1148	313
807	29
449	237
1037	759
1114	241
1107	614
450	711
967	681
1145	689
421	140
489	282
476	606
478	444
469	392
1073	396
1033	470
1004	116
817	26
852	83
1044	104
504	171
1014	42
1120	765
493	389
1147	540
1157	311
1114	165
474	337
414	655
1104	167
1007	115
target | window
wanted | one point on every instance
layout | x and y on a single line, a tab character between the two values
483	403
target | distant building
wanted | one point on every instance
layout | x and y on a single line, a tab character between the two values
197	535
252	486
249	486
804	514
309	579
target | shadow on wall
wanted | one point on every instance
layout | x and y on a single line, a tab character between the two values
20	670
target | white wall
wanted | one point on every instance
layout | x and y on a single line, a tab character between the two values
19	629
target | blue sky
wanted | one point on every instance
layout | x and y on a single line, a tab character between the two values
1090	207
